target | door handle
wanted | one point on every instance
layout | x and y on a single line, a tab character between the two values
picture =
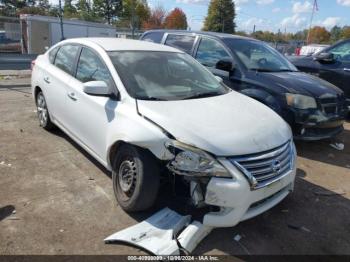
47	80
72	96
347	69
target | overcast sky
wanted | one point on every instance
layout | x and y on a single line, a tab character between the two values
289	15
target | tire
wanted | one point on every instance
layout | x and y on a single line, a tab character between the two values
135	178
43	112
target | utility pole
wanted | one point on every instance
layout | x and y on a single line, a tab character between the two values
254	30
314	8
60	15
133	18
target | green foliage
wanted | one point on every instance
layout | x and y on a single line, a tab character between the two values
221	15
108	10
134	13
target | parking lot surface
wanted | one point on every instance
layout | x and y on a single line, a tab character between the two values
55	199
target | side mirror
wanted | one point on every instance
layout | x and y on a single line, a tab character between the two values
324	57
99	88
225	65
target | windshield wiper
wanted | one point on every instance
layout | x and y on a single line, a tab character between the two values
261	70
202	95
152	98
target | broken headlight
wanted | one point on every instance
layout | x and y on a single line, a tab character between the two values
192	161
301	101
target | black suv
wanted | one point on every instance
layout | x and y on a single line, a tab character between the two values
331	64
314	108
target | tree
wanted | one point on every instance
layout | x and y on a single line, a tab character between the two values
11	7
176	19
69	9
335	33
221	15
134	14
156	19
319	35
108	9
84	10
345	33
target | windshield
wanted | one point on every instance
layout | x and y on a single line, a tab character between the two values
149	75
259	56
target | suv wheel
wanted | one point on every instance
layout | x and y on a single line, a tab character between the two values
135	178
43	112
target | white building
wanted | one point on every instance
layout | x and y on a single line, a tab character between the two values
39	32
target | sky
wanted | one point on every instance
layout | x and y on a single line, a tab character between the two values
272	15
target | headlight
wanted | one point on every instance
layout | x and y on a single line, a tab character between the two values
301	101
192	161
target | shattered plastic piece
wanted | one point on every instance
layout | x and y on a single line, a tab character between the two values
193	235
338	146
237	238
157	234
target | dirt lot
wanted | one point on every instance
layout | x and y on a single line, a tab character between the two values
55	199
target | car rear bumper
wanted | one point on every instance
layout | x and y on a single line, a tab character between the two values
238	201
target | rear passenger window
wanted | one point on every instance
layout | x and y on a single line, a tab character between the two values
155	37
210	52
52	54
91	68
65	58
183	42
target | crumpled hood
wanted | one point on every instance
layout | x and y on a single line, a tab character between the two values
226	125
298	83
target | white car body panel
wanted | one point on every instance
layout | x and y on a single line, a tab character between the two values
221	125
226	125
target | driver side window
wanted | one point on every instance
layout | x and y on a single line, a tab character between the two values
210	52
341	52
91	68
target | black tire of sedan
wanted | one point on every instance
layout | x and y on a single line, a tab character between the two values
135	178
43	112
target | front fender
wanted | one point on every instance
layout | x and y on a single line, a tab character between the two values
263	97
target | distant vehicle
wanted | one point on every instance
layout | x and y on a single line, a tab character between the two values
314	108
311	49
145	110
331	64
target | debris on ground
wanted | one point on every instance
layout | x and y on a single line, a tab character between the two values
325	192
237	238
2	163
13	218
296	227
61	230
14	212
338	146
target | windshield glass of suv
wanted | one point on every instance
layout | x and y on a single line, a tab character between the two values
259	56
164	76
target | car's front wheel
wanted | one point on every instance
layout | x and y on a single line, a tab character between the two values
135	178
43	112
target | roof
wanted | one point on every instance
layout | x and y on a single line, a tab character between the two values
121	44
213	34
53	19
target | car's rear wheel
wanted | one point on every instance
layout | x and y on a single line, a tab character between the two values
43	112
135	178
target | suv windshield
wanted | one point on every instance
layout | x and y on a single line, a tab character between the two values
259	56
149	75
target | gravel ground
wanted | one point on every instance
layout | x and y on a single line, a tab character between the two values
55	199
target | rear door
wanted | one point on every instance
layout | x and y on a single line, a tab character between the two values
56	78
89	115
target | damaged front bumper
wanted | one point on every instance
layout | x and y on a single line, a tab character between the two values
238	201
316	124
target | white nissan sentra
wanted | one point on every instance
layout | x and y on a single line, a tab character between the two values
145	111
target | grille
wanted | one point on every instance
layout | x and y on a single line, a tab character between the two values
332	105
267	166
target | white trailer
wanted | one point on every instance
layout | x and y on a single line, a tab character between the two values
39	32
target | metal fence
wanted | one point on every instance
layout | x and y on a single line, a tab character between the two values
10	35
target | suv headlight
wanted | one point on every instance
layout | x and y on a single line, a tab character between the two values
192	161
301	101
